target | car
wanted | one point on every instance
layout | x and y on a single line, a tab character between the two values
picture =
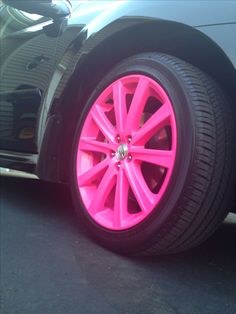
131	104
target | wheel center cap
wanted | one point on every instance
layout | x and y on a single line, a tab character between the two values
122	151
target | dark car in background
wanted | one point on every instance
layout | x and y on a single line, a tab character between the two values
130	103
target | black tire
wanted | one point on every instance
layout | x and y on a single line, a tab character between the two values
200	193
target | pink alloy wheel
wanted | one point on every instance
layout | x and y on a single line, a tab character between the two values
126	152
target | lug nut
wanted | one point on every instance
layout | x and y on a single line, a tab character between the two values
129	139
129	157
118	165
118	138
113	154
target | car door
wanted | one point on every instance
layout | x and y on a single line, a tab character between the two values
30	48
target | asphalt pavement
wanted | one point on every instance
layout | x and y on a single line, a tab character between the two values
50	266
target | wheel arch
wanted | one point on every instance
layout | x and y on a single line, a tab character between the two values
172	38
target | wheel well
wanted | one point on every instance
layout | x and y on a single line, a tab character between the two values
171	38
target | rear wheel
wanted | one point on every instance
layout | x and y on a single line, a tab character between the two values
152	157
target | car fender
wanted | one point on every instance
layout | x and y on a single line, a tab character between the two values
108	22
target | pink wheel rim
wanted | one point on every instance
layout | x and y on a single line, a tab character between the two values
126	152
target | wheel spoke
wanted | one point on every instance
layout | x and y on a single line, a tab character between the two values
144	196
137	105
121	200
92	145
103	191
103	123
158	120
91	174
116	175
119	106
163	158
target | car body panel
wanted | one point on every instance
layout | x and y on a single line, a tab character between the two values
224	36
191	13
90	26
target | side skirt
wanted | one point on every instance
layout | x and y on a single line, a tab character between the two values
18	161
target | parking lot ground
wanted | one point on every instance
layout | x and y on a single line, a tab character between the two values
50	266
